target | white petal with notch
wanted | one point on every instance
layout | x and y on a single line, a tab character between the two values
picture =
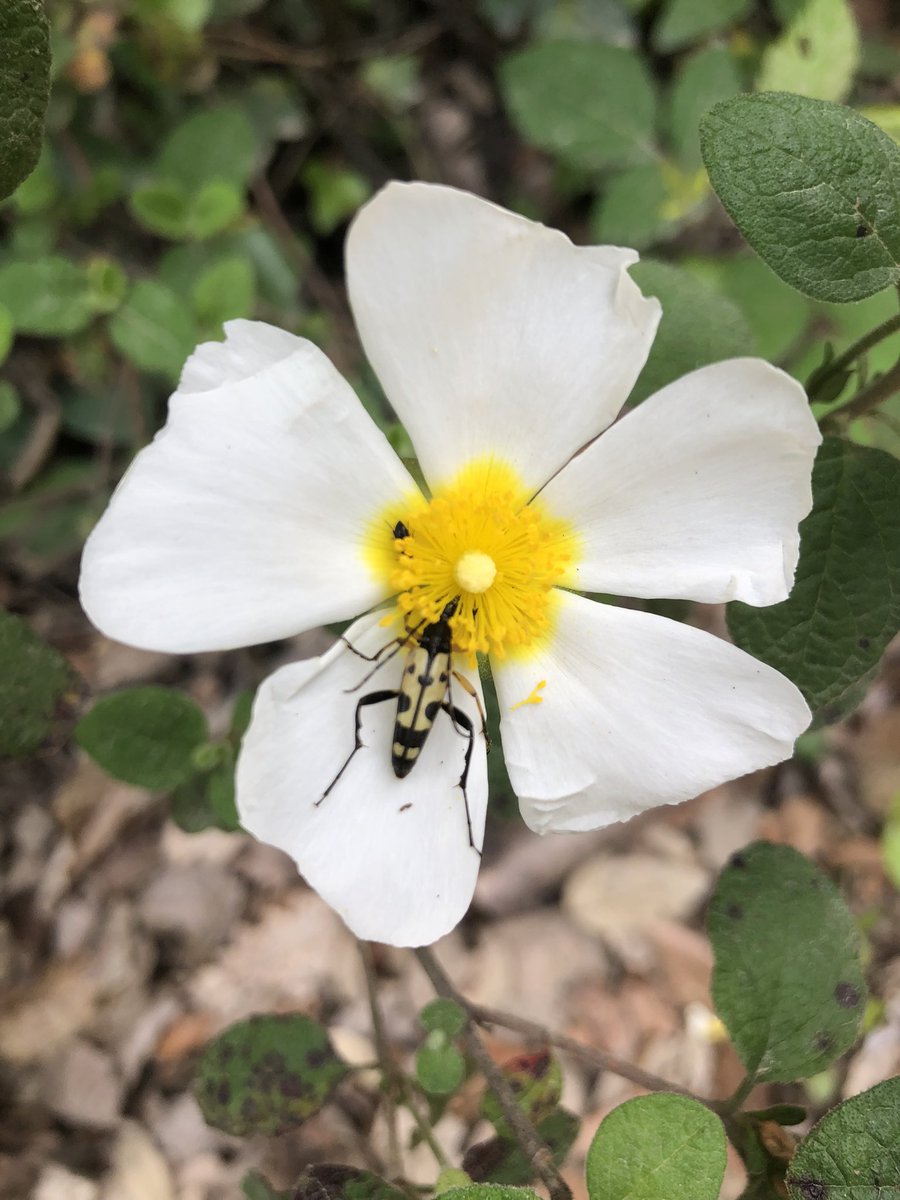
491	333
636	711
245	520
391	856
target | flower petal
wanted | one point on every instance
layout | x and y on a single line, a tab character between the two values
637	711
245	519
698	492
491	333
391	856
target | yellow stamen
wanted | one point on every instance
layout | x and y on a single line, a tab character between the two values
479	539
533	696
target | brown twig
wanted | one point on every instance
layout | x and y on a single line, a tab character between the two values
398	1088
866	398
385	1059
251	47
535	1149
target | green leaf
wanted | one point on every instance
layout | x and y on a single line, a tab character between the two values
24	88
630	212
107	414
267	1074
813	187
48	298
659	1147
589	103
852	1153
225	290
817	55
440	1068
501	1160
443	1015
536	1080
216	144
335	193
162	208
7	336
699	325
787	981
216	205
255	1186
33	678
700	82
10	405
205	800
154	328
146	736
332	1182
686	21
488	1191
775	312
829	635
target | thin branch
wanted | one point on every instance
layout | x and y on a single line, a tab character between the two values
395	1160
398	1087
866	398
535	1149
601	1059
858	348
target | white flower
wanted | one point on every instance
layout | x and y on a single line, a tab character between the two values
268	505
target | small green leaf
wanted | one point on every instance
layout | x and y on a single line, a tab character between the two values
536	1080
225	290
10	404
501	1160
592	104
830	634
335	193
630	211
255	1186
332	1182
146	736
700	82
852	1153
154	328
659	1147
686	21
33	679
699	325
817	55
24	88
162	208
440	1068
445	1015
787	980
215	206
267	1074
488	1191
781	1114
784	165
48	298
215	144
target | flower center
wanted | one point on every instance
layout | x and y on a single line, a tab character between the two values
480	540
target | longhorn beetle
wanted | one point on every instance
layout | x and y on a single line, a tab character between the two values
424	690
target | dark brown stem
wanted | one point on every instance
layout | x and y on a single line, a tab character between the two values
536	1151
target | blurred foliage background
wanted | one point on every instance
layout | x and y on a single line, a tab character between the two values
203	158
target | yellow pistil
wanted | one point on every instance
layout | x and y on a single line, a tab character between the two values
479	539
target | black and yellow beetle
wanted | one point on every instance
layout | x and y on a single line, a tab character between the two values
423	692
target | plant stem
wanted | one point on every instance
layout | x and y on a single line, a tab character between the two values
397	1084
867	398
600	1059
385	1059
740	1094
858	348
535	1149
